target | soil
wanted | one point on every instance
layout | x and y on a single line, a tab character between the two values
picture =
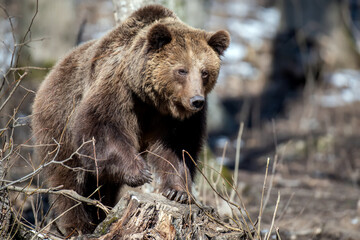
316	175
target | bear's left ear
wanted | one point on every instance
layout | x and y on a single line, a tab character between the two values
219	41
158	36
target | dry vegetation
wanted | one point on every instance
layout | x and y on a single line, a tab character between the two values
305	187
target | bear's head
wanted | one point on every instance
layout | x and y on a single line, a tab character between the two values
182	66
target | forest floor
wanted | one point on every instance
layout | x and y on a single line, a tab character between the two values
317	173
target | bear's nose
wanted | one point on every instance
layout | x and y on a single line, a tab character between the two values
197	102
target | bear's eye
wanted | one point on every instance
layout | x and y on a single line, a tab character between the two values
204	74
182	72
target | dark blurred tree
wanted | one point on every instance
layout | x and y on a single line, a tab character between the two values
327	22
313	37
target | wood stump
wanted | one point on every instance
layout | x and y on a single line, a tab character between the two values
151	216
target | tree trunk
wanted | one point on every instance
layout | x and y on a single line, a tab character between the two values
122	9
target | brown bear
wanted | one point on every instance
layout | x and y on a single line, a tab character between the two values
139	93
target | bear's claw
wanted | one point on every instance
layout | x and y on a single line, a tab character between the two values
175	195
147	175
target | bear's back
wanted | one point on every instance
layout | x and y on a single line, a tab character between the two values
58	94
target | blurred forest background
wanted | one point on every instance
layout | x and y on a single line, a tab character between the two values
291	75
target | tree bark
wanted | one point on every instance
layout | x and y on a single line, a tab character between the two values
5	214
122	8
152	216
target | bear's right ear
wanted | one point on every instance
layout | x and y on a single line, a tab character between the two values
158	36
219	41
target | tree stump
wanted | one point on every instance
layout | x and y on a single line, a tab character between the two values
151	216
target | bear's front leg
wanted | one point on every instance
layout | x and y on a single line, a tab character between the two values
114	156
175	177
124	165
116	162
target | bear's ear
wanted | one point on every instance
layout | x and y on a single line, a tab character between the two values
219	41
158	36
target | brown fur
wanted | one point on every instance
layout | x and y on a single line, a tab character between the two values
132	90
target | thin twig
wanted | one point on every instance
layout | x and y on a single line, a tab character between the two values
221	164
286	206
13	90
274	215
27	68
271	180
262	196
28	29
278	237
12	32
237	161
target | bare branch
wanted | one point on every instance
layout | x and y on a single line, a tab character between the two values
64	192
13	90
53	161
27	68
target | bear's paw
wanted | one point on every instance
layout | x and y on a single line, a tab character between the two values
138	173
